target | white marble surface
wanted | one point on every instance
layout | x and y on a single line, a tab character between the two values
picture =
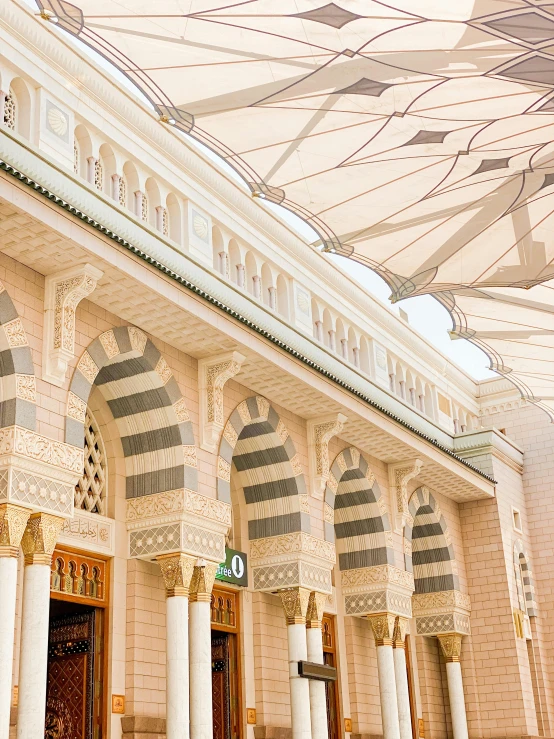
177	630
457	702
318	701
387	692
402	694
299	686
8	585
200	671
33	660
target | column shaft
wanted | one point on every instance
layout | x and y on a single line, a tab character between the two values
33	659
8	585
387	692
318	699
177	635
299	686
402	693
201	726
456	698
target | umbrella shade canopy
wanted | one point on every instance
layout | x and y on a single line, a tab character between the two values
414	136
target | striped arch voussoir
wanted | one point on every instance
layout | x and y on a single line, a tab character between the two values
17	372
522	561
147	406
360	525
428	550
268	469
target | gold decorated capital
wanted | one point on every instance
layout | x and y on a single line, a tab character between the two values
13	520
451	646
177	573
202	582
400	629
383	628
314	614
39	538
295	604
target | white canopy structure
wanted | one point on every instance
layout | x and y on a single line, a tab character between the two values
414	136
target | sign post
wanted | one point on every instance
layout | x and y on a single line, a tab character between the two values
234	570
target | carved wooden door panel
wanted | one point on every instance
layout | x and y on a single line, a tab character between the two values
69	693
220	684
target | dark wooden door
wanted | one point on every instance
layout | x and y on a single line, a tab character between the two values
226	721
331	688
70	685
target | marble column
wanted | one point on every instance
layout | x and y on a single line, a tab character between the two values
401	678
314	639
201	726
13	521
38	542
177	573
295	605
383	631
451	646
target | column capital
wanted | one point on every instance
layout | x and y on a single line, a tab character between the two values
202	582
383	628
13	520
451	646
314	614
400	629
295	604
39	538
177	573
63	292
320	432
213	373
400	475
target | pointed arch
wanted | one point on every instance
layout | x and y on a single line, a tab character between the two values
428	550
524	579
147	406
361	522
257	444
17	371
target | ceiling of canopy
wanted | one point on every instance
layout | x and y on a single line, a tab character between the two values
414	136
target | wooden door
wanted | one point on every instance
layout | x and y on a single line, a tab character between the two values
331	688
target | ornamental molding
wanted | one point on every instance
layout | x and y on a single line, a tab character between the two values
320	432
400	474
429	604
213	373
378	601
155	539
13	521
451	646
19	442
90	532
382	625
39	538
442	623
276	549
63	292
177	572
296	573
179	505
366	579
295	604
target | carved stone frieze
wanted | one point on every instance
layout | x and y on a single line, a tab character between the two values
22	442
264	551
63	292
295	572
320	432
177	572
295	604
176	536
427	604
442	623
376	601
400	475
213	373
39	538
379	575
382	625
13	521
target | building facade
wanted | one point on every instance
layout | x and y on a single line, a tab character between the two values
184	382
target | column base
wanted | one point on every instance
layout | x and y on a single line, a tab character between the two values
143	727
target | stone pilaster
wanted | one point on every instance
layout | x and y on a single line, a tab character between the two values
400	475
63	292
320	432
213	373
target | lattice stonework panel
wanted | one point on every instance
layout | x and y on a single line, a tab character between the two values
10	111
90	491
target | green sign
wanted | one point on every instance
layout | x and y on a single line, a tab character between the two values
234	569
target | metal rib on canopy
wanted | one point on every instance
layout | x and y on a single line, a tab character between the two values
414	136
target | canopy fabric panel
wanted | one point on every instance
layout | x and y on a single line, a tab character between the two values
415	136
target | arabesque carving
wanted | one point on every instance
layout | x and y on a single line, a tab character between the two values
177	572
399	476
13	521
383	628
297	542
314	614
202	582
39	538
320	433
295	604
451	646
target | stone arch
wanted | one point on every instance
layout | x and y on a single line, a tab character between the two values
361	525
524	578
256	441
17	371
150	413
428	550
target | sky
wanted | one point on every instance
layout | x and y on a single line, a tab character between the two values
424	313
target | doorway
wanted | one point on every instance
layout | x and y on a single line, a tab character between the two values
225	664
331	686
